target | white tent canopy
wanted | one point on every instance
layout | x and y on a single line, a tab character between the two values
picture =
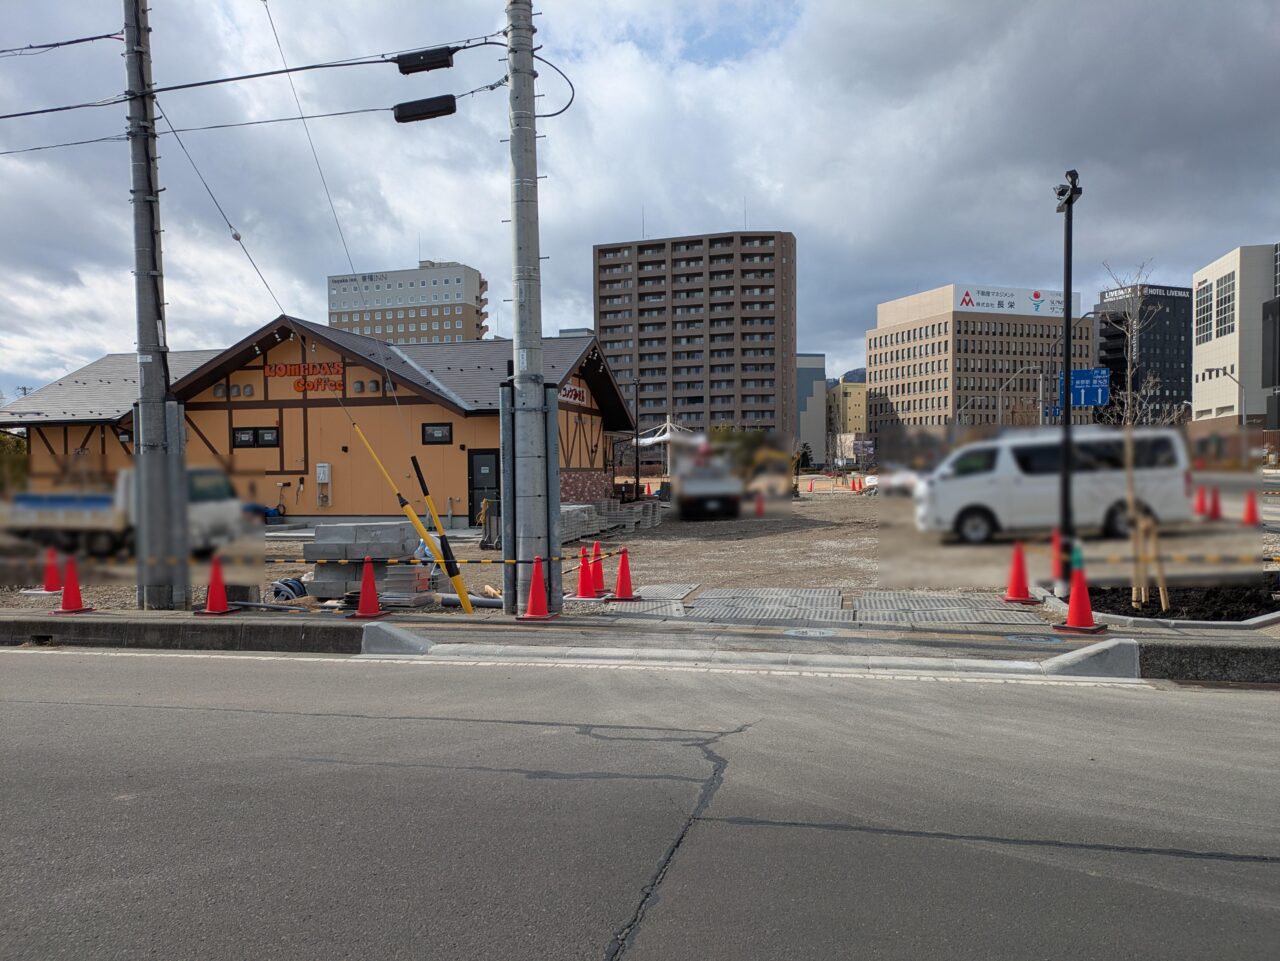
669	433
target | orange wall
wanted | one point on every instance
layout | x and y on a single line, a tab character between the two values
315	426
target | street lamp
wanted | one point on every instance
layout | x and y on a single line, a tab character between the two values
1244	429
1067	194
1016	374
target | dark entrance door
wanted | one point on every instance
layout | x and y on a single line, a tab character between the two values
482	481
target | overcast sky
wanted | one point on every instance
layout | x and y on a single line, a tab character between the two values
906	144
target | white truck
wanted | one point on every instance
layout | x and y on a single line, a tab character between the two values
103	523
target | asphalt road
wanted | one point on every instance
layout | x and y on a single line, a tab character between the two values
212	806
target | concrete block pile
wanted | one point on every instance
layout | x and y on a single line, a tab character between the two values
382	541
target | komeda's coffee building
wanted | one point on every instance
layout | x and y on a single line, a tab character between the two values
277	411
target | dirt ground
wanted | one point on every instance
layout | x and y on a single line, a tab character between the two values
822	540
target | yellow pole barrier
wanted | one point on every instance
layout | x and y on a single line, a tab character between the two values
455	576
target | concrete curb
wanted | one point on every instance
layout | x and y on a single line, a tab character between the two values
1113	659
1059	606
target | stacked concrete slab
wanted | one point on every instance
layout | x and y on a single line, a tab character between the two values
353	542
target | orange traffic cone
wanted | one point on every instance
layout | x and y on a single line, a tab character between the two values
1079	609
536	609
368	607
648	489
1055	554
623	591
1201	508
52	580
586	579
810	485
759	504
1017	591
597	570
71	601
216	601
1250	518
1215	505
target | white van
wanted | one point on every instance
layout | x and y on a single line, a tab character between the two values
1010	483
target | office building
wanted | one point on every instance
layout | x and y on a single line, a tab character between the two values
847	407
433	303
1160	321
811	417
971	354
702	329
1227	349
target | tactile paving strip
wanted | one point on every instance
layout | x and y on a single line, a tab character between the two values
667	592
773	612
796	603
763	593
645	608
952	616
922	601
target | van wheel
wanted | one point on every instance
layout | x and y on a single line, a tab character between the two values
1117	523
976	526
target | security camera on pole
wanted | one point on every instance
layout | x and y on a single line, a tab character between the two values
1067	195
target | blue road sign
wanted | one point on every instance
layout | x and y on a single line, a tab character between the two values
1090	387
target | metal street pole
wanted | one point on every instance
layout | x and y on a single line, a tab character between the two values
533	474
157	530
1067	194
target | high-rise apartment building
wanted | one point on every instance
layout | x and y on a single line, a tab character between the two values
433	303
972	354
1155	324
1226	354
702	329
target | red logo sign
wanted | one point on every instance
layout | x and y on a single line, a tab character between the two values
966	300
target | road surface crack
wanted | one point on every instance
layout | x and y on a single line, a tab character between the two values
624	936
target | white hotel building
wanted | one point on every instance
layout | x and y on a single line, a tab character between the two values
433	303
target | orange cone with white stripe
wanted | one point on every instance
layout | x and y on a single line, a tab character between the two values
1079	608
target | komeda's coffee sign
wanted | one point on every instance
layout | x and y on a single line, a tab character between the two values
309	377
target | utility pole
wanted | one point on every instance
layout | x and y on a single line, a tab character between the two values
1067	194
537	482
155	523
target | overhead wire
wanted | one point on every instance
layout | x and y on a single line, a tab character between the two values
573	93
35	49
235	234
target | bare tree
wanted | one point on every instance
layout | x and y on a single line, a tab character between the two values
1131	315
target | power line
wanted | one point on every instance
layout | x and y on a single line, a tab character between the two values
35	49
310	142
212	126
573	93
375	58
235	234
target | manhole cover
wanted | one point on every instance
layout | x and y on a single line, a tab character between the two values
808	632
1032	638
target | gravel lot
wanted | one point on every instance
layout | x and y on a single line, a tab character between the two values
822	540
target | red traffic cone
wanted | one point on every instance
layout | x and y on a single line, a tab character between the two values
52	580
759	504
597	570
1201	508
216	601
1215	505
862	484
586	579
536	609
810	485
368	608
1017	591
71	602
1250	518
648	489
1079	609
623	591
1055	553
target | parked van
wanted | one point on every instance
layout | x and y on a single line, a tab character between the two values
1011	483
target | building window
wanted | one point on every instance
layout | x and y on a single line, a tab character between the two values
1225	319
437	433
255	437
219	390
248	390
1204	313
373	386
357	387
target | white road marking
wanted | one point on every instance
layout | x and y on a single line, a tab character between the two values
427	661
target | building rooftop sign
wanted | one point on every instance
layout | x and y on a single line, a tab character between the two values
1026	301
